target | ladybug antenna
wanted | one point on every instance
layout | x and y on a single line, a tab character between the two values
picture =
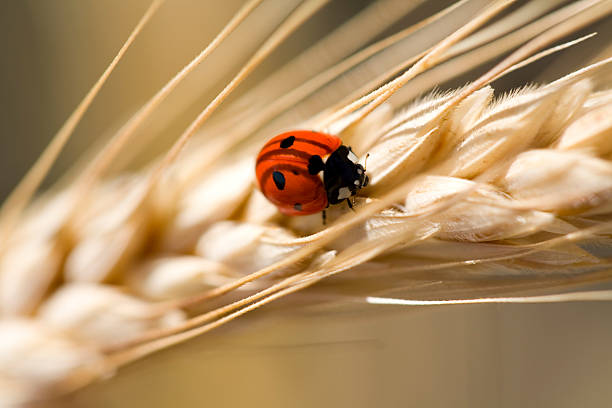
365	162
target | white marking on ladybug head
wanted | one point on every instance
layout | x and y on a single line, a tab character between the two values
356	182
359	171
343	193
352	157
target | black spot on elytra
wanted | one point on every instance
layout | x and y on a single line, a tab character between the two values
295	172
279	180
315	164
297	206
287	142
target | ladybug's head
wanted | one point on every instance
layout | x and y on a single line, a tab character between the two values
343	176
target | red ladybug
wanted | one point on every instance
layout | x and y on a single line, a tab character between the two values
288	171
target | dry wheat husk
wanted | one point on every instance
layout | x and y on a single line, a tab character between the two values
464	184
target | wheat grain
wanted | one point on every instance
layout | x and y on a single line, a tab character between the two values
592	132
536	177
40	360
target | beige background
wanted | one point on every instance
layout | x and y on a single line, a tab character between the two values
555	355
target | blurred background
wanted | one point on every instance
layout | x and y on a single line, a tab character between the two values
546	355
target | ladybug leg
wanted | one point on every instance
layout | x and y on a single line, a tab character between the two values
350	204
323	216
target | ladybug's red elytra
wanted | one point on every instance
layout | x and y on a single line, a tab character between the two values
289	167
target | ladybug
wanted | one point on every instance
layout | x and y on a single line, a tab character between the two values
289	167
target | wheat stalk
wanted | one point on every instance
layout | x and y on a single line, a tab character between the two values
465	186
